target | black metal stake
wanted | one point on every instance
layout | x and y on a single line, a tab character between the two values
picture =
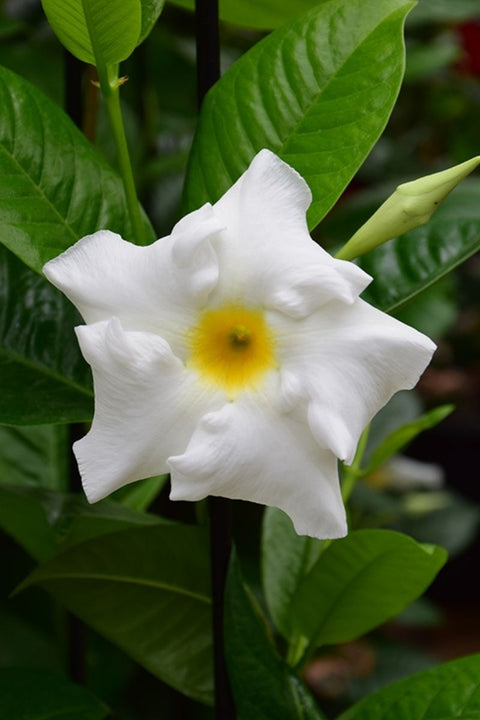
208	72
75	628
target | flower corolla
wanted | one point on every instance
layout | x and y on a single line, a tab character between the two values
235	354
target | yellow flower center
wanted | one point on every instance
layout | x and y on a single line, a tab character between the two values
232	347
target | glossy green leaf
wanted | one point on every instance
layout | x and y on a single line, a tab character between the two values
140	495
41	521
317	91
405	434
28	694
35	456
151	10
434	310
147	591
361	581
404	267
24	644
43	377
263	685
261	14
54	186
286	559
96	31
445	692
24	519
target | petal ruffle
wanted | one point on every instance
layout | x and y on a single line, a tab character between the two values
247	451
156	289
343	364
147	406
265	252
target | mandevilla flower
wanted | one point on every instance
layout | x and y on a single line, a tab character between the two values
235	354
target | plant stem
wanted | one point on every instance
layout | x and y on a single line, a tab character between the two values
111	95
352	472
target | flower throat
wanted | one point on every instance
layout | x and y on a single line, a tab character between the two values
232	347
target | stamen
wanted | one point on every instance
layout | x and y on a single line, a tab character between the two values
240	337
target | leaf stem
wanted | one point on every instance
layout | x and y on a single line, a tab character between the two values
111	95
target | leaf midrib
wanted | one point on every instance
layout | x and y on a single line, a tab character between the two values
318	94
353	581
16	357
126	579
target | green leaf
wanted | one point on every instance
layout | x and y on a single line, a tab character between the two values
24	644
403	267
96	31
24	519
318	92
443	693
361	581
41	520
34	456
405	434
263	685
43	378
151	10
140	495
434	310
146	590
261	14
286	559
28	694
54	186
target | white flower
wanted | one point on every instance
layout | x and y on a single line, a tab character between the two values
234	353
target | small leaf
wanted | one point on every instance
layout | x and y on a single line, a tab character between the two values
263	685
28	694
96	31
148	591
445	692
318	92
405	434
54	186
286	559
361	581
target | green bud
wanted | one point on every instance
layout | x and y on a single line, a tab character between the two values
412	204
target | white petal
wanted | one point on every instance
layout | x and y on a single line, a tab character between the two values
146	407
266	253
154	289
248	451
347	362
